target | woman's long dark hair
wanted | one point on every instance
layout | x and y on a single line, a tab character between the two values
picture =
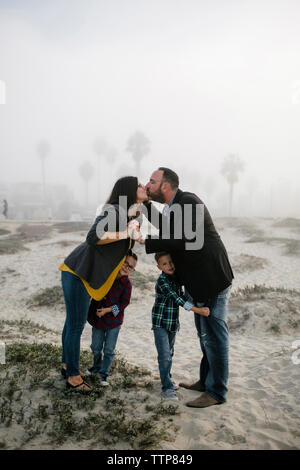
126	186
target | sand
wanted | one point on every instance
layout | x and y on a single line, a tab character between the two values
263	406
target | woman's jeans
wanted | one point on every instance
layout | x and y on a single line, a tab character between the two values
164	342
77	302
214	342
105	340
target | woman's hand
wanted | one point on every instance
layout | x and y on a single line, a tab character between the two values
133	228
134	209
134	231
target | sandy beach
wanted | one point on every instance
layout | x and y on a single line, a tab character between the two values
263	407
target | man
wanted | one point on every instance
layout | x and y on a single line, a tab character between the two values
205	272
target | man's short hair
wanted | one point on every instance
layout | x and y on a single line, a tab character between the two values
157	256
170	176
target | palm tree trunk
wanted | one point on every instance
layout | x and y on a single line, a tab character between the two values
43	180
98	180
230	199
86	194
137	168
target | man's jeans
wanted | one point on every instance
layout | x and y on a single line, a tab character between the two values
214	342
105	340
77	302
164	342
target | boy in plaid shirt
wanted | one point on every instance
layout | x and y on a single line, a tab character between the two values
106	317
165	319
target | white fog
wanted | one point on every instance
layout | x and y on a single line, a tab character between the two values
201	80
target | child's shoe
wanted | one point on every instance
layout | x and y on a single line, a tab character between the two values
175	386
169	395
91	371
103	381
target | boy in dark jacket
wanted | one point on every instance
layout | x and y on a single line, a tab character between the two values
106	317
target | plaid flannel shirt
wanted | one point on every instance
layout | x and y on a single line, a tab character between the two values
117	298
168	298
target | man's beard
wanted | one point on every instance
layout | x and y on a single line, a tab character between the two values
158	196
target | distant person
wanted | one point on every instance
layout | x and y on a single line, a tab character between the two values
5	208
91	269
205	273
106	317
165	319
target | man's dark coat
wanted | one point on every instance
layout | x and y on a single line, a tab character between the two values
204	272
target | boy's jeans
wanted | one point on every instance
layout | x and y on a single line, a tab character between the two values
105	340
164	342
77	302
214	342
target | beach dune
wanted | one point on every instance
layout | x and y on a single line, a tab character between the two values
263	407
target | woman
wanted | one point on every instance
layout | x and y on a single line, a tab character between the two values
91	268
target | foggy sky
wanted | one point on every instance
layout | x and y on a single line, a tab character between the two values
201	80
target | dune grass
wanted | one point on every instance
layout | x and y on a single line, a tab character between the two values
261	309
246	263
36	409
142	281
291	246
65	227
10	246
48	297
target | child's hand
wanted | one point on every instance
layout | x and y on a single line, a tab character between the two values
204	311
101	312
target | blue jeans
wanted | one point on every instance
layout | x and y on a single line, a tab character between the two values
164	342
105	340
77	302
214	342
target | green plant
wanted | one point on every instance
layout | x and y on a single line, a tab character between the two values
49	297
33	395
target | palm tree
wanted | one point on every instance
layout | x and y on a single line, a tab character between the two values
231	166
100	148
43	148
111	155
139	146
86	171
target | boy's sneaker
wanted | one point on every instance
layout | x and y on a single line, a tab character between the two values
104	383
90	371
175	386
169	395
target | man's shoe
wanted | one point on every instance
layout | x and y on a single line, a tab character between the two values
195	386
91	371
203	401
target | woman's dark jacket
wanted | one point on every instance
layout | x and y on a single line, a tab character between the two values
94	263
